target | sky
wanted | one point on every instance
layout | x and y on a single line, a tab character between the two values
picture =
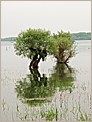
72	16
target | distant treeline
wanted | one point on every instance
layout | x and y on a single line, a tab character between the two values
76	36
81	36
8	39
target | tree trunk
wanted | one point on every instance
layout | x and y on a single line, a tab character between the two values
61	57
66	61
35	61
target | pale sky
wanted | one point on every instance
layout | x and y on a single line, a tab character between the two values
72	16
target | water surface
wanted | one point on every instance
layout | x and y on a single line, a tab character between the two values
51	93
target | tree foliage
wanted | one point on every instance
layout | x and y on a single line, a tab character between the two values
36	44
33	44
62	47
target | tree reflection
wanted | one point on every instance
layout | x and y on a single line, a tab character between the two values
36	89
63	77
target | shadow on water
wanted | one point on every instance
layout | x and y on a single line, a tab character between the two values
36	89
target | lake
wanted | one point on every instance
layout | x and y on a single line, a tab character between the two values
51	93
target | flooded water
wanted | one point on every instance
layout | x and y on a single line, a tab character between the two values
51	93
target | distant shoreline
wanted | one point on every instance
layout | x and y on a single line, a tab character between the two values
76	36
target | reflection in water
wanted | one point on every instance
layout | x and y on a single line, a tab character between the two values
36	89
51	95
63	77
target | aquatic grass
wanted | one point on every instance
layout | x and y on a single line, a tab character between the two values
85	117
42	114
50	114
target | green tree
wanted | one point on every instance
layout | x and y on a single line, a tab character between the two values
33	44
62	46
36	44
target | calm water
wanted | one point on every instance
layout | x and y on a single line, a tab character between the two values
51	93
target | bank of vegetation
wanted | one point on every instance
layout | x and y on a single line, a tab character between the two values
75	36
81	36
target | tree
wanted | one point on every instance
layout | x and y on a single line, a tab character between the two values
33	44
36	44
62	46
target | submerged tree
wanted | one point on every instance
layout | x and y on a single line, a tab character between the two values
36	44
62	47
33	44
